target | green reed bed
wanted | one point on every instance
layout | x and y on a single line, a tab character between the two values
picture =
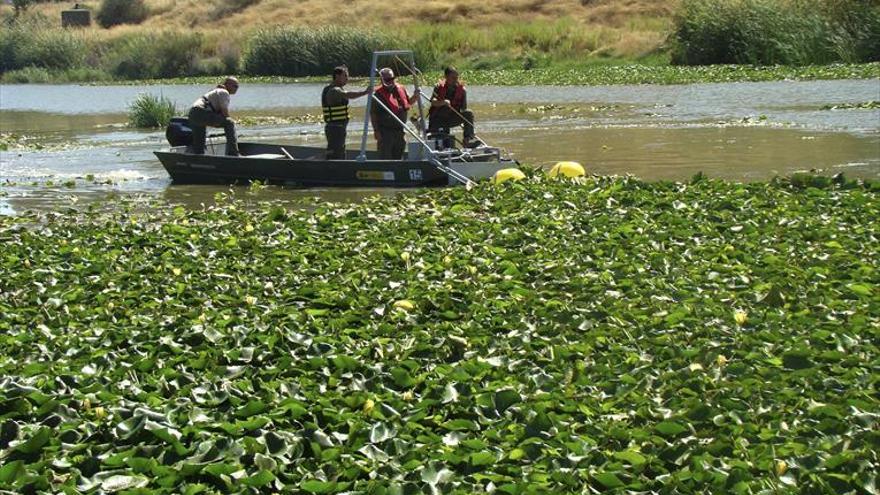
151	111
776	32
609	336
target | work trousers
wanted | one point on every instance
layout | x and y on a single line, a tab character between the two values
391	143
200	119
336	133
444	118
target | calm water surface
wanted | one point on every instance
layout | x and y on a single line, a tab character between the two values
737	131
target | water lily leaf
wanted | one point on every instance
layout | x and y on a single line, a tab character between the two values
481	459
264	462
450	394
11	471
380	432
630	456
221	468
436	474
251	408
608	480
670	428
505	398
316	486
374	453
796	360
402	377
262	478
120	482
861	289
460	424
35	442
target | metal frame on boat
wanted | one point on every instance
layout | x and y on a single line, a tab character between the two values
426	163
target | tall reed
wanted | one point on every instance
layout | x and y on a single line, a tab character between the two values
150	111
765	32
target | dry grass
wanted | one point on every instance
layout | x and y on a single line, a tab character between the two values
368	13
618	28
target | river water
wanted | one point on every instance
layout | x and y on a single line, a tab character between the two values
736	131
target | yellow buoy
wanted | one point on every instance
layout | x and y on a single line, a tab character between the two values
404	305
567	169
507	174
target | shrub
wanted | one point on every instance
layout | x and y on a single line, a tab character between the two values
764	32
150	111
153	55
32	75
115	12
309	52
27	45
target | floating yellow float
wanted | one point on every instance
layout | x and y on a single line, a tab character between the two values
507	174
567	169
404	305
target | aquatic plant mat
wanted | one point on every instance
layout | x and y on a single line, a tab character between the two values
608	336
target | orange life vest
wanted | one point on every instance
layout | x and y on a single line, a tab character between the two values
456	100
396	105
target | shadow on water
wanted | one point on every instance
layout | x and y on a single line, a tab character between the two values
78	150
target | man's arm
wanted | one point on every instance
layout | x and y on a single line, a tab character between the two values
436	102
356	94
224	104
415	96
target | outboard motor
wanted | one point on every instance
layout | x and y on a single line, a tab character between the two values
178	132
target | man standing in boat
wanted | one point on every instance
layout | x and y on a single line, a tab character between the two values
449	107
334	102
212	109
387	130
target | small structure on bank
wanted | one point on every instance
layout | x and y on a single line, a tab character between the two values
76	17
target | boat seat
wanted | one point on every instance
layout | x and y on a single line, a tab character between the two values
267	156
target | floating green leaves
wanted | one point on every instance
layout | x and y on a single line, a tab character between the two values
608	335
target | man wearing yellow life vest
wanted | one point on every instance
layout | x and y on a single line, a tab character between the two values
388	131
449	107
334	102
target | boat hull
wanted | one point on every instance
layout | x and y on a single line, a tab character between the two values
269	163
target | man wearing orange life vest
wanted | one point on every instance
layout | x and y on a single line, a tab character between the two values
449	107
386	129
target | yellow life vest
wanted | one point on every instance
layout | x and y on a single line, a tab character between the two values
338	113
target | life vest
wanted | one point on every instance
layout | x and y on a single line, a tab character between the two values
456	100
396	105
338	113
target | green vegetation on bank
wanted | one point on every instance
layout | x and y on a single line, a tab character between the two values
564	76
770	32
539	337
271	52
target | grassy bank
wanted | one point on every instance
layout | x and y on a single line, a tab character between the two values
538	337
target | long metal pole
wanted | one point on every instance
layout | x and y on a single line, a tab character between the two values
363	154
422	130
433	159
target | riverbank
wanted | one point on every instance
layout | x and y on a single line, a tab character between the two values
572	75
644	336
